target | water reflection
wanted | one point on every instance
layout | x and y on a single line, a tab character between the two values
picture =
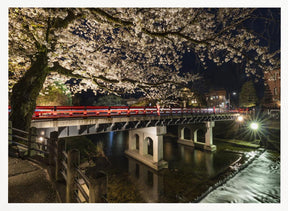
188	158
187	176
148	182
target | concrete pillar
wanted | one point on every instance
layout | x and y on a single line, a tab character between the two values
157	148
131	141
195	135
72	161
209	136
32	141
154	133
180	132
143	146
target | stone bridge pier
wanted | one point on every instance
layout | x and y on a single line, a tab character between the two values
192	139
146	146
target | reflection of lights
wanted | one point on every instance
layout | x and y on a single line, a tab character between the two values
254	126
41	139
240	118
111	137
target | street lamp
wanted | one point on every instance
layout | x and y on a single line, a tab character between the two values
240	118
254	126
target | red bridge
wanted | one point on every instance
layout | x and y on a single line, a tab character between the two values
55	112
146	125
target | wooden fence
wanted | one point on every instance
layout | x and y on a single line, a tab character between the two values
63	165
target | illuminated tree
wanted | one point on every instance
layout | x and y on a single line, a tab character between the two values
122	50
247	96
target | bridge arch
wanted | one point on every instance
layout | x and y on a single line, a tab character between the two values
199	135
137	141
148	142
187	133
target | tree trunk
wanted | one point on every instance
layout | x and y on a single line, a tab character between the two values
26	91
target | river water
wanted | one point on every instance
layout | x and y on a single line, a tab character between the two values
190	173
258	183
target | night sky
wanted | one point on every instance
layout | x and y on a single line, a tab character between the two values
231	76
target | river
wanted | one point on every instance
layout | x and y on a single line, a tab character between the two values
190	173
258	183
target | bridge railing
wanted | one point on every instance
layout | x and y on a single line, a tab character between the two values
27	143
79	187
52	112
62	165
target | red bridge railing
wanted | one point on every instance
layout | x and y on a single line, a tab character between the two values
53	112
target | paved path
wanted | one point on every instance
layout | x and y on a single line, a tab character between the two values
28	183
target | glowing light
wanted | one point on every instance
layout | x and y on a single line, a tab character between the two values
41	139
254	126
240	118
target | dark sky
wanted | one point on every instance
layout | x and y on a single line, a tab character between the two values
231	76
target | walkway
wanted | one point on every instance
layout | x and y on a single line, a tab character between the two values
28	183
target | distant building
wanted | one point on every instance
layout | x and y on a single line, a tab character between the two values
273	81
188	98
216	98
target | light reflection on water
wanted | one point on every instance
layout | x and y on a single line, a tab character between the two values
258	183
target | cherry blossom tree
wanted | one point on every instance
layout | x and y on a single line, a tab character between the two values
123	50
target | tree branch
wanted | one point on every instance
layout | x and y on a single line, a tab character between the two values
143	85
63	23
110	18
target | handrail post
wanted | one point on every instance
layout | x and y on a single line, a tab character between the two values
72	163
10	131
52	149
128	111
60	145
55	111
31	141
158	109
85	110
109	111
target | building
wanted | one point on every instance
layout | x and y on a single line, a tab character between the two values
188	98
273	81
216	98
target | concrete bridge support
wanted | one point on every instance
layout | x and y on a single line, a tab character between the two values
146	146
192	140
209	137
